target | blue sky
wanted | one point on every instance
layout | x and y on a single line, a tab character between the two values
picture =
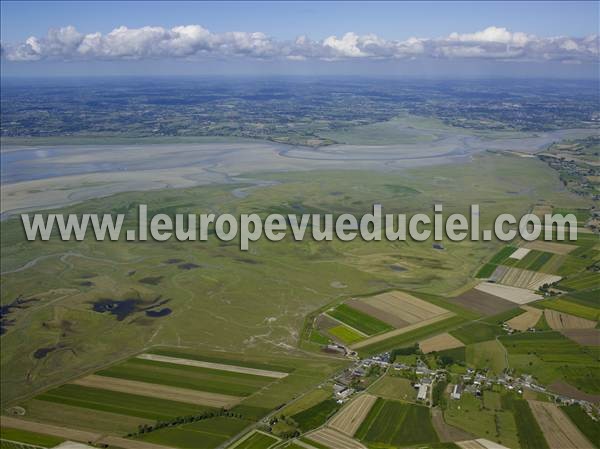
508	32
286	20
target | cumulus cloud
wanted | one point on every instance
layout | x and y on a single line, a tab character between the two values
195	41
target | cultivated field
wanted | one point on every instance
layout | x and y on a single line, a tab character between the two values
158	391
394	423
512	294
440	343
519	253
559	431
550	247
558	320
532	280
408	312
78	435
404	330
404	306
526	320
483	303
167	384
585	337
370	310
315	416
349	418
565	389
333	439
358	321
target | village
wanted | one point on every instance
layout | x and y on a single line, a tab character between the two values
474	381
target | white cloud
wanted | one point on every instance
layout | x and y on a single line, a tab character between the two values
493	35
347	46
195	41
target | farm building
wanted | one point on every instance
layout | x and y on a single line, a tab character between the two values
344	394
422	394
456	392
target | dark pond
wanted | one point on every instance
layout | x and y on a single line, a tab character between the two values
43	352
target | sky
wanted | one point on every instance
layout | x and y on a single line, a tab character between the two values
433	39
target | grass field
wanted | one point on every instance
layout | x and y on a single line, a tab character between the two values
358	320
396	423
550	356
256	440
529	432
316	415
469	414
587	298
394	387
26	437
497	259
534	261
311	398
477	332
581	281
492	400
205	434
487	354
345	334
